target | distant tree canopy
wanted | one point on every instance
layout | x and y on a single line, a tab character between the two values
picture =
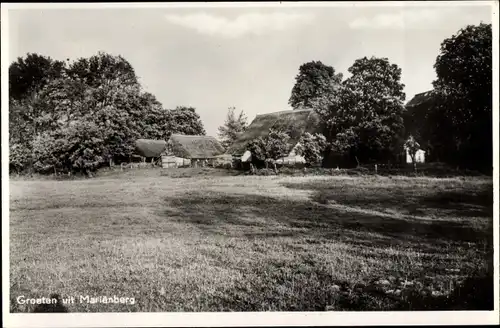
314	80
102	69
185	120
456	123
233	126
75	117
29	74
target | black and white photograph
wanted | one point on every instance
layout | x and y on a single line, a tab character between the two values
314	160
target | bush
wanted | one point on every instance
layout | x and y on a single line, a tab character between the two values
19	157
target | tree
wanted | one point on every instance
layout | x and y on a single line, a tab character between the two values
185	120
102	69
276	145
314	80
269	148
20	157
232	128
30	74
86	116
89	114
257	148
464	83
364	117
312	147
83	147
155	122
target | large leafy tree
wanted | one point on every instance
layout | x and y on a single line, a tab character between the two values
312	147
102	69
464	85
276	145
86	115
314	80
156	119
78	118
364	116
257	148
233	126
29	112
269	148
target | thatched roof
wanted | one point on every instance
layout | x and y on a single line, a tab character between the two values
421	98
149	147
296	121
194	147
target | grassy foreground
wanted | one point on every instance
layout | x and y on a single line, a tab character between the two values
248	243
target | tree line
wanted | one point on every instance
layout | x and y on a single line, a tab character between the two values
365	119
79	116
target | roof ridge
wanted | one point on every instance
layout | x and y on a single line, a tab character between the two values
190	135
285	111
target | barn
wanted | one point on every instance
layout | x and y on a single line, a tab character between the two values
296	122
189	150
150	150
419	156
420	101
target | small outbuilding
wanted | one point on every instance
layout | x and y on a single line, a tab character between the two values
191	150
419	156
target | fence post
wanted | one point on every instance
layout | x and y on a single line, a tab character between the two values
375	168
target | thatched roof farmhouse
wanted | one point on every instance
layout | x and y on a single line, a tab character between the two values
423	98
194	147
297	122
421	101
150	148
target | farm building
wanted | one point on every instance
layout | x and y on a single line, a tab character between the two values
187	150
149	149
420	101
423	98
419	156
296	122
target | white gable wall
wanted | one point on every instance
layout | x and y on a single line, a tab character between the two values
419	156
290	159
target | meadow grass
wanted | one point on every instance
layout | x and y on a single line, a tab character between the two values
254	243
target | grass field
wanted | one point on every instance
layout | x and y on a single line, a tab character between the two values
247	243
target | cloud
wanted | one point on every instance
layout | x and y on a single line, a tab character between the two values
251	23
411	18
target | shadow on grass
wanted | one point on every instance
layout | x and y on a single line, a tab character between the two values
261	217
257	216
410	200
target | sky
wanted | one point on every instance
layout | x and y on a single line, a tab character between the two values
244	57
